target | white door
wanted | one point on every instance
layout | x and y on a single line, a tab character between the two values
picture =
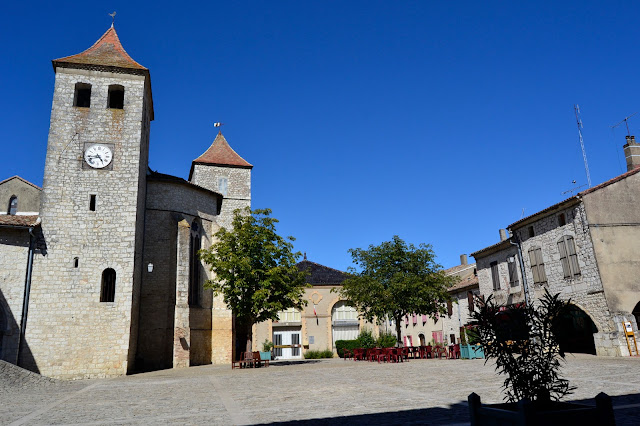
290	338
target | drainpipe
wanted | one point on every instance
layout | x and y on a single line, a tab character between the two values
524	276
27	290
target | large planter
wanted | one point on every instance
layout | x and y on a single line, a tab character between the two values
471	351
543	413
265	356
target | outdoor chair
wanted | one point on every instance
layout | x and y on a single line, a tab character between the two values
428	351
347	354
456	351
358	354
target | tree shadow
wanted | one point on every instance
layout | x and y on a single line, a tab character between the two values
284	363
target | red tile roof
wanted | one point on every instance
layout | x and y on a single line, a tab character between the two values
220	153
19	221
107	51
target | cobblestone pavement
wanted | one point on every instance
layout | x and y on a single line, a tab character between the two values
320	392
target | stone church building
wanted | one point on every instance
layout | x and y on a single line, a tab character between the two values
98	269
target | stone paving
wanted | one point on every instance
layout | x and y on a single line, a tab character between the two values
308	392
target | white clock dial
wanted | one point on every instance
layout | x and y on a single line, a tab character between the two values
98	156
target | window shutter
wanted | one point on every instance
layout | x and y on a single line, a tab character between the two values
563	258
513	272
534	266
415	319
424	319
573	256
541	273
470	300
494	275
450	308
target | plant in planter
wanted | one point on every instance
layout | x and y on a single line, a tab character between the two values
265	354
522	339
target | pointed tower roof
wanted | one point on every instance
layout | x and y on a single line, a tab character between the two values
221	154
106	52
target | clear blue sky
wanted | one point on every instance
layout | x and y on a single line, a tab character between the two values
436	121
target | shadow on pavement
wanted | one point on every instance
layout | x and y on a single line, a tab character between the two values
300	362
625	408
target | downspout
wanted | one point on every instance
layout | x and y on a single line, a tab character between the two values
524	276
27	291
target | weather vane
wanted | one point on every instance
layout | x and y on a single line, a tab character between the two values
113	17
218	125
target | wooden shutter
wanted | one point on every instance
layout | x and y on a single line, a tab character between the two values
513	274
573	256
494	275
534	266
541	273
450	308
563	257
470	300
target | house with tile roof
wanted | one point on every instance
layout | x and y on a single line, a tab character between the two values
583	248
113	283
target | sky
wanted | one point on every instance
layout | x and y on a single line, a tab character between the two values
440	122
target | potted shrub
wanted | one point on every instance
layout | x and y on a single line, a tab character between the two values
265	354
522	341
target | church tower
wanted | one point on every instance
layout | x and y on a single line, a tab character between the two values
222	170
84	297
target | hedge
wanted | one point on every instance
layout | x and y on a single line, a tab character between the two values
341	345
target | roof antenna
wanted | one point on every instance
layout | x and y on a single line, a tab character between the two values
113	18
576	108
625	122
218	125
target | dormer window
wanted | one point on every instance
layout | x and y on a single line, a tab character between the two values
82	95
13	205
115	99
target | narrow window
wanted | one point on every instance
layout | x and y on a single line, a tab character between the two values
222	185
13	205
537	265
82	95
194	266
531	233
494	275
449	308
108	292
562	220
513	271
92	202
76	262
115	98
568	256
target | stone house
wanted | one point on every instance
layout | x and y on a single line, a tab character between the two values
583	248
420	330
112	283
325	319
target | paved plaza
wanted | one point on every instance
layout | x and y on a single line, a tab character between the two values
308	392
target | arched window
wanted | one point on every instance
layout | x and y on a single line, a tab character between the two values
568	256
82	95
13	205
115	98
108	291
194	265
344	319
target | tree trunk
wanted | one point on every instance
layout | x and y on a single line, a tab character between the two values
249	334
398	331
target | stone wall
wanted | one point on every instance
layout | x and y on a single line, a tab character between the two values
70	332
506	294
14	250
238	188
28	196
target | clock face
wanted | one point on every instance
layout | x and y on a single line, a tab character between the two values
98	156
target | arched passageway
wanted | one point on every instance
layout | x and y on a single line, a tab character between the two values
575	332
636	313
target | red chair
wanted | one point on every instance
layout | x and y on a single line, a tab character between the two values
428	351
456	351
358	354
347	354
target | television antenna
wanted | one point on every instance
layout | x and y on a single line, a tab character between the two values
626	123
572	190
576	108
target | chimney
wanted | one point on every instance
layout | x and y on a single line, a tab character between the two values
632	153
463	259
503	234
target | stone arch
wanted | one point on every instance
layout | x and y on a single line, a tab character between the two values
636	313
576	331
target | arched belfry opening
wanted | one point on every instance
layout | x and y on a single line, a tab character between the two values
575	331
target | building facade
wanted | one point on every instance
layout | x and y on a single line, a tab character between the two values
581	248
113	282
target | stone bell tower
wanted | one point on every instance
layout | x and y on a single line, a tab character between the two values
85	291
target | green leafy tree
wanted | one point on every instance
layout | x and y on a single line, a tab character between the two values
255	271
395	279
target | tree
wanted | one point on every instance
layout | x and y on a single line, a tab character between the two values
396	279
254	269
